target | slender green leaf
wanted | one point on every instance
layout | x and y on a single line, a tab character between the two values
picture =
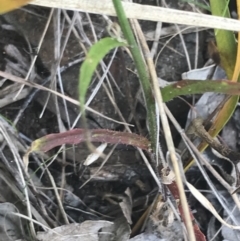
189	87
225	39
94	56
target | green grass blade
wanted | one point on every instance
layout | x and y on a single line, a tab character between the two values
94	56
226	42
189	87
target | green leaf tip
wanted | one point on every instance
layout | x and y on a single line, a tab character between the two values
96	53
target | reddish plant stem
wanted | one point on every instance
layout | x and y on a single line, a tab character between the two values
172	186
77	136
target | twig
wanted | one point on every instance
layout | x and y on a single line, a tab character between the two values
38	50
198	129
60	204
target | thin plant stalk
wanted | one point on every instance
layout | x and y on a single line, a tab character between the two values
142	71
150	105
167	132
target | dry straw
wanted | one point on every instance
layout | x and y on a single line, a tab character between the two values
145	12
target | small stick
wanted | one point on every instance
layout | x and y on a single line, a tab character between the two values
207	122
198	129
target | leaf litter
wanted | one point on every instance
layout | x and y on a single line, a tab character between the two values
101	198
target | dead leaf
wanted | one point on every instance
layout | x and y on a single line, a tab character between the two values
203	200
86	231
10	225
126	205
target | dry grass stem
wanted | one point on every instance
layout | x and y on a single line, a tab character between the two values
20	167
166	128
37	86
145	12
